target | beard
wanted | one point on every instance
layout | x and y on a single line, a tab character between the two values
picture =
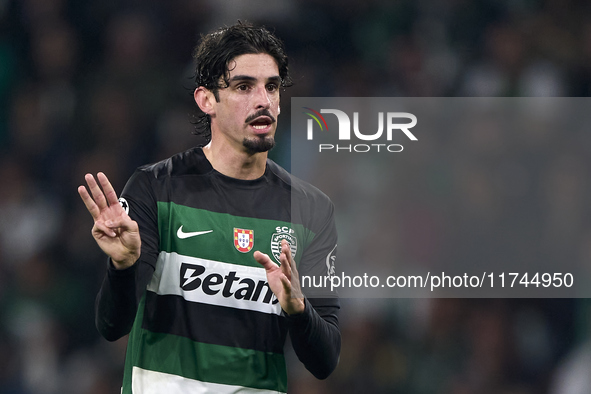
258	144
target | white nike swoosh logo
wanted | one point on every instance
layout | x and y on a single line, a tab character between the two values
182	235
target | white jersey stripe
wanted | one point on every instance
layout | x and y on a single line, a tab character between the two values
227	282
144	381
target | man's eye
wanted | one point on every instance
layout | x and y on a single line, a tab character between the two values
242	87
272	87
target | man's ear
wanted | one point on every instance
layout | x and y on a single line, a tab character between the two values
204	98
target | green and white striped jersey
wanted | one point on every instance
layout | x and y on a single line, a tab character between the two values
207	321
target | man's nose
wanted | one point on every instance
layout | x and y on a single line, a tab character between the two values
262	99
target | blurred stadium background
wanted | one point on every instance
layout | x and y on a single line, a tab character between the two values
88	85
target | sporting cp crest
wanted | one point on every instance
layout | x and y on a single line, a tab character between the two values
281	234
243	239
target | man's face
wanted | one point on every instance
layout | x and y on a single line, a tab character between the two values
246	114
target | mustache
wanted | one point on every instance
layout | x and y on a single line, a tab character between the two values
262	112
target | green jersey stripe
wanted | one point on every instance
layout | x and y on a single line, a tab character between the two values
199	232
191	231
212	363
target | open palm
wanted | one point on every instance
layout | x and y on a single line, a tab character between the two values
283	280
114	231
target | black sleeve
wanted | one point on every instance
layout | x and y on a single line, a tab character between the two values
119	297
316	337
121	291
315	334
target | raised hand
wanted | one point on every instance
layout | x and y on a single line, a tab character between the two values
114	231
283	280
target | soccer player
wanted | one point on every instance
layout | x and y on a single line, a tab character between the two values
205	247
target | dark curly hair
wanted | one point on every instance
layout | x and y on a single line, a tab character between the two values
217	49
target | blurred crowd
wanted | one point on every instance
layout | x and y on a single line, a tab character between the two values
89	86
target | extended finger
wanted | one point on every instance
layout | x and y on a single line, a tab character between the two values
89	202
285	259
264	260
292	263
286	286
97	193
108	189
286	247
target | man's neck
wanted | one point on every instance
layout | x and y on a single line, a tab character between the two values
235	164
